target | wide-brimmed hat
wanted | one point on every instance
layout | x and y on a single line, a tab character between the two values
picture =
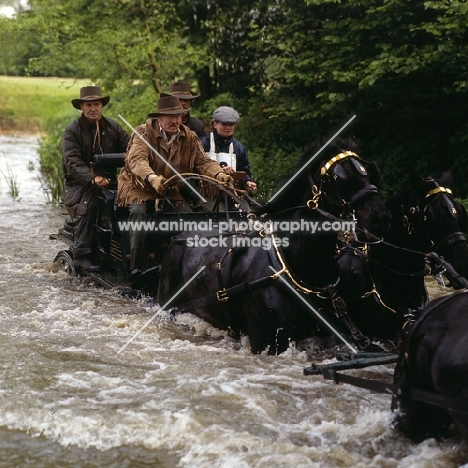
225	114
181	89
90	93
168	105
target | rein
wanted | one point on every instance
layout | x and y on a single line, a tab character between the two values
236	193
446	242
225	293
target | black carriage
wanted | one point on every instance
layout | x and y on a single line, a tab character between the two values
113	243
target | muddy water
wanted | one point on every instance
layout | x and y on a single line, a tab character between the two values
182	394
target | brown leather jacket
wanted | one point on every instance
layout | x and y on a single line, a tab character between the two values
185	155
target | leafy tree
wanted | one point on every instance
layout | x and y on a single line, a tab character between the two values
400	66
125	42
293	69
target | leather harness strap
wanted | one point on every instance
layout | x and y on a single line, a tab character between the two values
225	292
223	295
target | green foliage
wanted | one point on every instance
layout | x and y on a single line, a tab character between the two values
10	179
17	46
292	68
50	158
137	40
31	104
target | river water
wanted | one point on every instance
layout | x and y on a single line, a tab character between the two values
182	394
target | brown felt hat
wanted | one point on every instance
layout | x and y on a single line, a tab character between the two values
168	105
90	93
181	89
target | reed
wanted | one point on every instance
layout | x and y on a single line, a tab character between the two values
12	183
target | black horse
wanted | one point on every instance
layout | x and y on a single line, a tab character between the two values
242	287
385	286
435	360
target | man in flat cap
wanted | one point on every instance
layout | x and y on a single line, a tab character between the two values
181	89
156	147
220	145
89	134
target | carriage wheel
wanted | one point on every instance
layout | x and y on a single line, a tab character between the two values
64	260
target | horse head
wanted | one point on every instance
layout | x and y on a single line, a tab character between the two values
440	219
348	189
333	180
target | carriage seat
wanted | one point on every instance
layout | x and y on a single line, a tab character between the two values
106	165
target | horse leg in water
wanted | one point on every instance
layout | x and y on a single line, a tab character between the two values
373	318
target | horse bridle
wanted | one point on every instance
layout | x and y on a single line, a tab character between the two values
449	240
358	196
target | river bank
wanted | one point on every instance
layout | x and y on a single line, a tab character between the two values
29	104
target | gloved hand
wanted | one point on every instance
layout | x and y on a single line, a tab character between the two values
158	184
225	179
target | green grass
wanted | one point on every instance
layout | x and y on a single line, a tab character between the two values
29	104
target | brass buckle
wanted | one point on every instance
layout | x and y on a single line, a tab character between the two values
313	203
222	296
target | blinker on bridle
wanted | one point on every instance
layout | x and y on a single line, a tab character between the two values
451	238
349	205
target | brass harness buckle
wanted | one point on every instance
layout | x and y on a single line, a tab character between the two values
222	295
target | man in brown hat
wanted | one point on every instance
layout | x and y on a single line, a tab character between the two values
89	134
181	89
158	148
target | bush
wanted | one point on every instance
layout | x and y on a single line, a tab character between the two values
50	158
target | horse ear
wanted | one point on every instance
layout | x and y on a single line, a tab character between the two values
374	172
352	142
446	179
418	183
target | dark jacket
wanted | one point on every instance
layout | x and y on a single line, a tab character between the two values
222	146
196	125
79	144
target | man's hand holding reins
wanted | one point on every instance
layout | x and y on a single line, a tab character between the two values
225	179
100	181
157	182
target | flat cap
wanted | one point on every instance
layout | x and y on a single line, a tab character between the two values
225	114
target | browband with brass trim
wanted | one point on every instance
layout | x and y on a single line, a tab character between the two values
438	190
338	157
